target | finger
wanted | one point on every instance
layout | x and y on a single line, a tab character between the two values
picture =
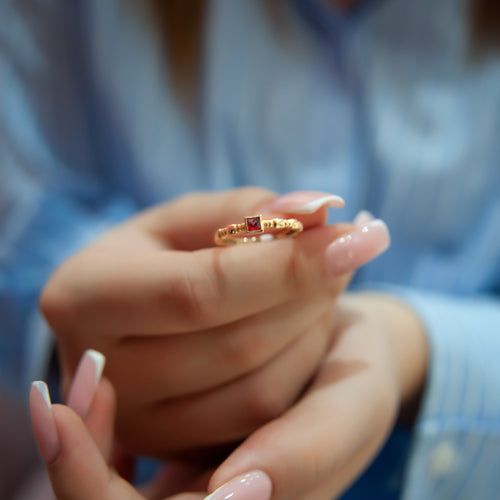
101	418
175	292
235	349
253	485
189	222
76	467
80	460
230	412
187	496
93	399
363	218
305	202
75	464
87	377
350	407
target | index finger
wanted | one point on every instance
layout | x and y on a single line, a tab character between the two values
177	291
189	222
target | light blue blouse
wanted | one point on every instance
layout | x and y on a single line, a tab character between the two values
382	106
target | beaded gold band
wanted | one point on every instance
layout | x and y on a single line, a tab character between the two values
256	229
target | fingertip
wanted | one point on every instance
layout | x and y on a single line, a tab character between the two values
352	250
85	382
306	202
253	485
39	389
310	207
98	362
363	218
100	419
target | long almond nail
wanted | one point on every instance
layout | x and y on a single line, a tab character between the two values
352	250
44	426
87	377
255	485
305	202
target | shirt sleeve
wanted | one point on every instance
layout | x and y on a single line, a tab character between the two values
53	194
455	450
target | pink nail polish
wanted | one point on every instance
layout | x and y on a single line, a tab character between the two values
363	218
352	250
255	485
44	426
305	202
87	377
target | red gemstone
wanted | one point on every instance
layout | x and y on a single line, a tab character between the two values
254	224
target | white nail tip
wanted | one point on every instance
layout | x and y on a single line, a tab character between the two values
376	224
42	388
363	217
98	360
330	200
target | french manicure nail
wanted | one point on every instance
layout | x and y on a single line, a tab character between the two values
305	202
42	418
85	382
354	249
255	485
363	218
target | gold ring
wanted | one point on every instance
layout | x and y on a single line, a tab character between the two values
256	229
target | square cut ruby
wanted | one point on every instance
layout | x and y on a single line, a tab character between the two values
254	224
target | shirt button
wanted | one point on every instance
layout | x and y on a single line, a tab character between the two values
442	459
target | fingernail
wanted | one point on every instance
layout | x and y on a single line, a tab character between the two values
255	485
42	419
363	218
352	250
305	202
87	377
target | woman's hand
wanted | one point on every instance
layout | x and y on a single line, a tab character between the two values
316	449
75	441
205	344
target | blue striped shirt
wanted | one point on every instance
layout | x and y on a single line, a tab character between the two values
381	105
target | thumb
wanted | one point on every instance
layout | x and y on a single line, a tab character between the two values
190	221
75	464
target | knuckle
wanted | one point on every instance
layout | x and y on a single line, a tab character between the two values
200	292
245	349
265	402
59	301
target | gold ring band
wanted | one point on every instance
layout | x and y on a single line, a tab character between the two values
255	229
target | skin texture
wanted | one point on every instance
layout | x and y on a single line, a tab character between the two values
282	360
196	358
369	375
338	424
208	347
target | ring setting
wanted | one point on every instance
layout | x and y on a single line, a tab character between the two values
255	229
